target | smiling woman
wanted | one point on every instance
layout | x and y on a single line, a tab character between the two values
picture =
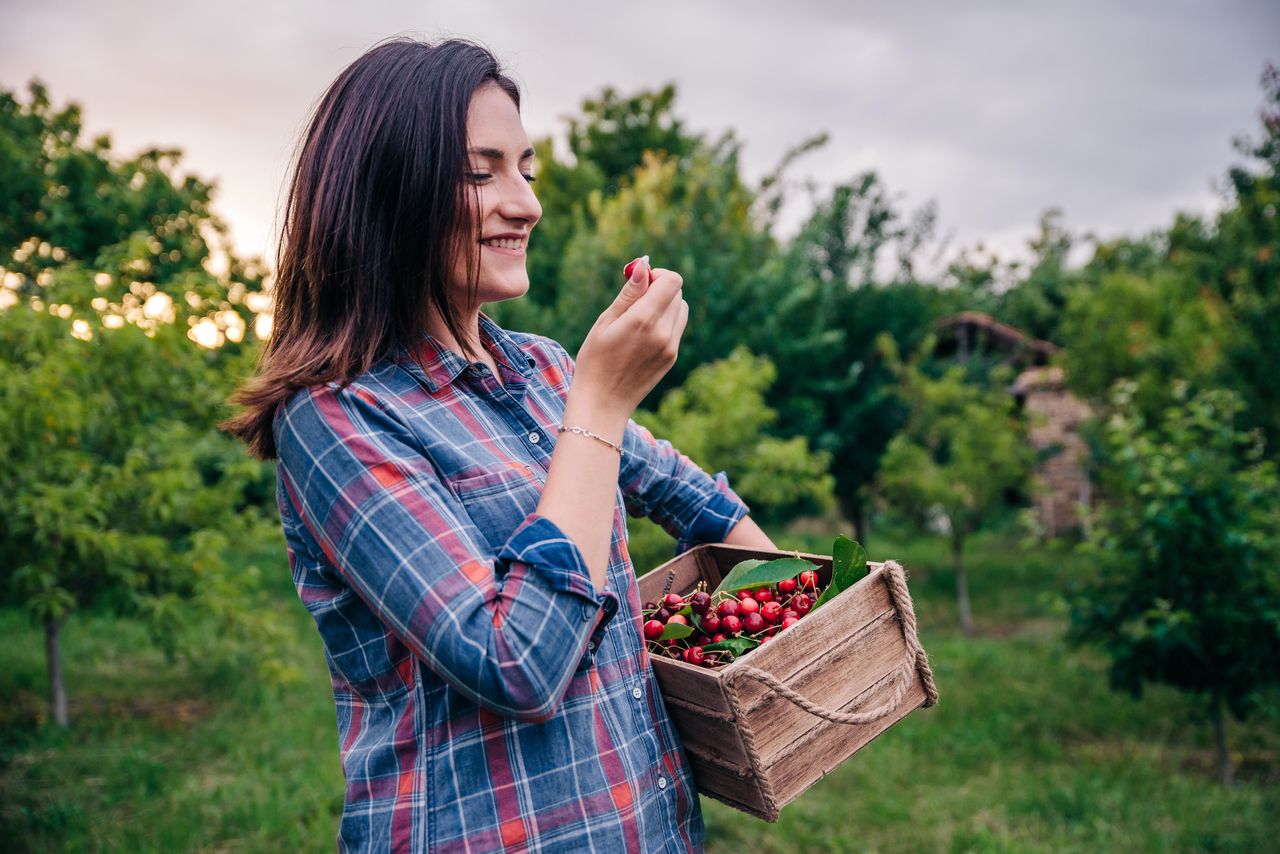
454	495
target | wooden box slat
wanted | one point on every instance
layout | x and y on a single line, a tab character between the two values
754	749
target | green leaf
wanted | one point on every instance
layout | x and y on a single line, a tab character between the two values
759	573
675	630
848	566
736	646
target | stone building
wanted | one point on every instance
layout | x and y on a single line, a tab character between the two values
1054	413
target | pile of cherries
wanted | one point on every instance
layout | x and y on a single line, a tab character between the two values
758	614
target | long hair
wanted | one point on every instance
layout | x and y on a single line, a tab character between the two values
375	214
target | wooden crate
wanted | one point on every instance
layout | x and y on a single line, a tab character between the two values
856	663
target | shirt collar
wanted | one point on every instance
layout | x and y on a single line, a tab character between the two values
439	366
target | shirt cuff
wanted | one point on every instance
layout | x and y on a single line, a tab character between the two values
544	548
717	517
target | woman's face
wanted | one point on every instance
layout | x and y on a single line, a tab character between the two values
498	174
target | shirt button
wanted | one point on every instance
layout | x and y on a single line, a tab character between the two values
535	438
591	645
637	693
662	782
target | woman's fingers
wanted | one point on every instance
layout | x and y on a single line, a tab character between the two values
664	289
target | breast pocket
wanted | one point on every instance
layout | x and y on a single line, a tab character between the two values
499	500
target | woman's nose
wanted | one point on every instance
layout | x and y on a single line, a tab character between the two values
519	201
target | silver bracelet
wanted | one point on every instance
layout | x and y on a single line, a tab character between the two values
580	431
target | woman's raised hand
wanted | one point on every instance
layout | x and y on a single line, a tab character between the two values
635	340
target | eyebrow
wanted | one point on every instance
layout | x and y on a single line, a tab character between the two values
498	153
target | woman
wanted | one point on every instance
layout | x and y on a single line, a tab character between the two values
452	493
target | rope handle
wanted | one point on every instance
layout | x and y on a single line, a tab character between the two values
901	676
916	661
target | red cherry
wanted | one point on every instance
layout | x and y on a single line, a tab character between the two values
662	615
710	623
748	606
753	623
790	612
673	601
650	606
765	639
727	608
719	636
764	594
678	619
700	602
771	611
731	625
694	655
699	639
652	630
788	622
809	579
801	604
787	586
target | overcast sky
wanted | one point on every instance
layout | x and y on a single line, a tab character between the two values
1120	113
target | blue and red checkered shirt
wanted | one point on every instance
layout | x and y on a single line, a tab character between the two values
486	700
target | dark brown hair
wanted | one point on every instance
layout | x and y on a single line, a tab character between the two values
375	214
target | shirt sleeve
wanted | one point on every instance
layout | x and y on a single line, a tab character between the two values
666	486
508	630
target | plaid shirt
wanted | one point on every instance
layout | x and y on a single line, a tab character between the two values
486	698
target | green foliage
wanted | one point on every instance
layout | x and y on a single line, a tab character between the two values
1188	545
118	493
961	451
718	419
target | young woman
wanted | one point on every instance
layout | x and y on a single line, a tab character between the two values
453	493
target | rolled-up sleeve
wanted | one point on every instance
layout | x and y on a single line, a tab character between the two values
506	630
660	483
666	486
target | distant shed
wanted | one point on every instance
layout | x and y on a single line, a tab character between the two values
1054	413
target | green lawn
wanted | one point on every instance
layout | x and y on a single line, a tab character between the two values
1027	750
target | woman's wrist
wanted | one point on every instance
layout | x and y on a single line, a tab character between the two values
607	422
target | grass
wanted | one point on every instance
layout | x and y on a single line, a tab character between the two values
1027	751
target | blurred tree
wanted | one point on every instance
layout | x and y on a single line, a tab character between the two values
1188	546
718	419
961	450
1036	303
117	492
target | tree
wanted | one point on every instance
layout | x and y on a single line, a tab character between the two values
718	418
117	492
961	450
1188	546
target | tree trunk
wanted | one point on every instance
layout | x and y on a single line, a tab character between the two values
1225	765
53	663
962	585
